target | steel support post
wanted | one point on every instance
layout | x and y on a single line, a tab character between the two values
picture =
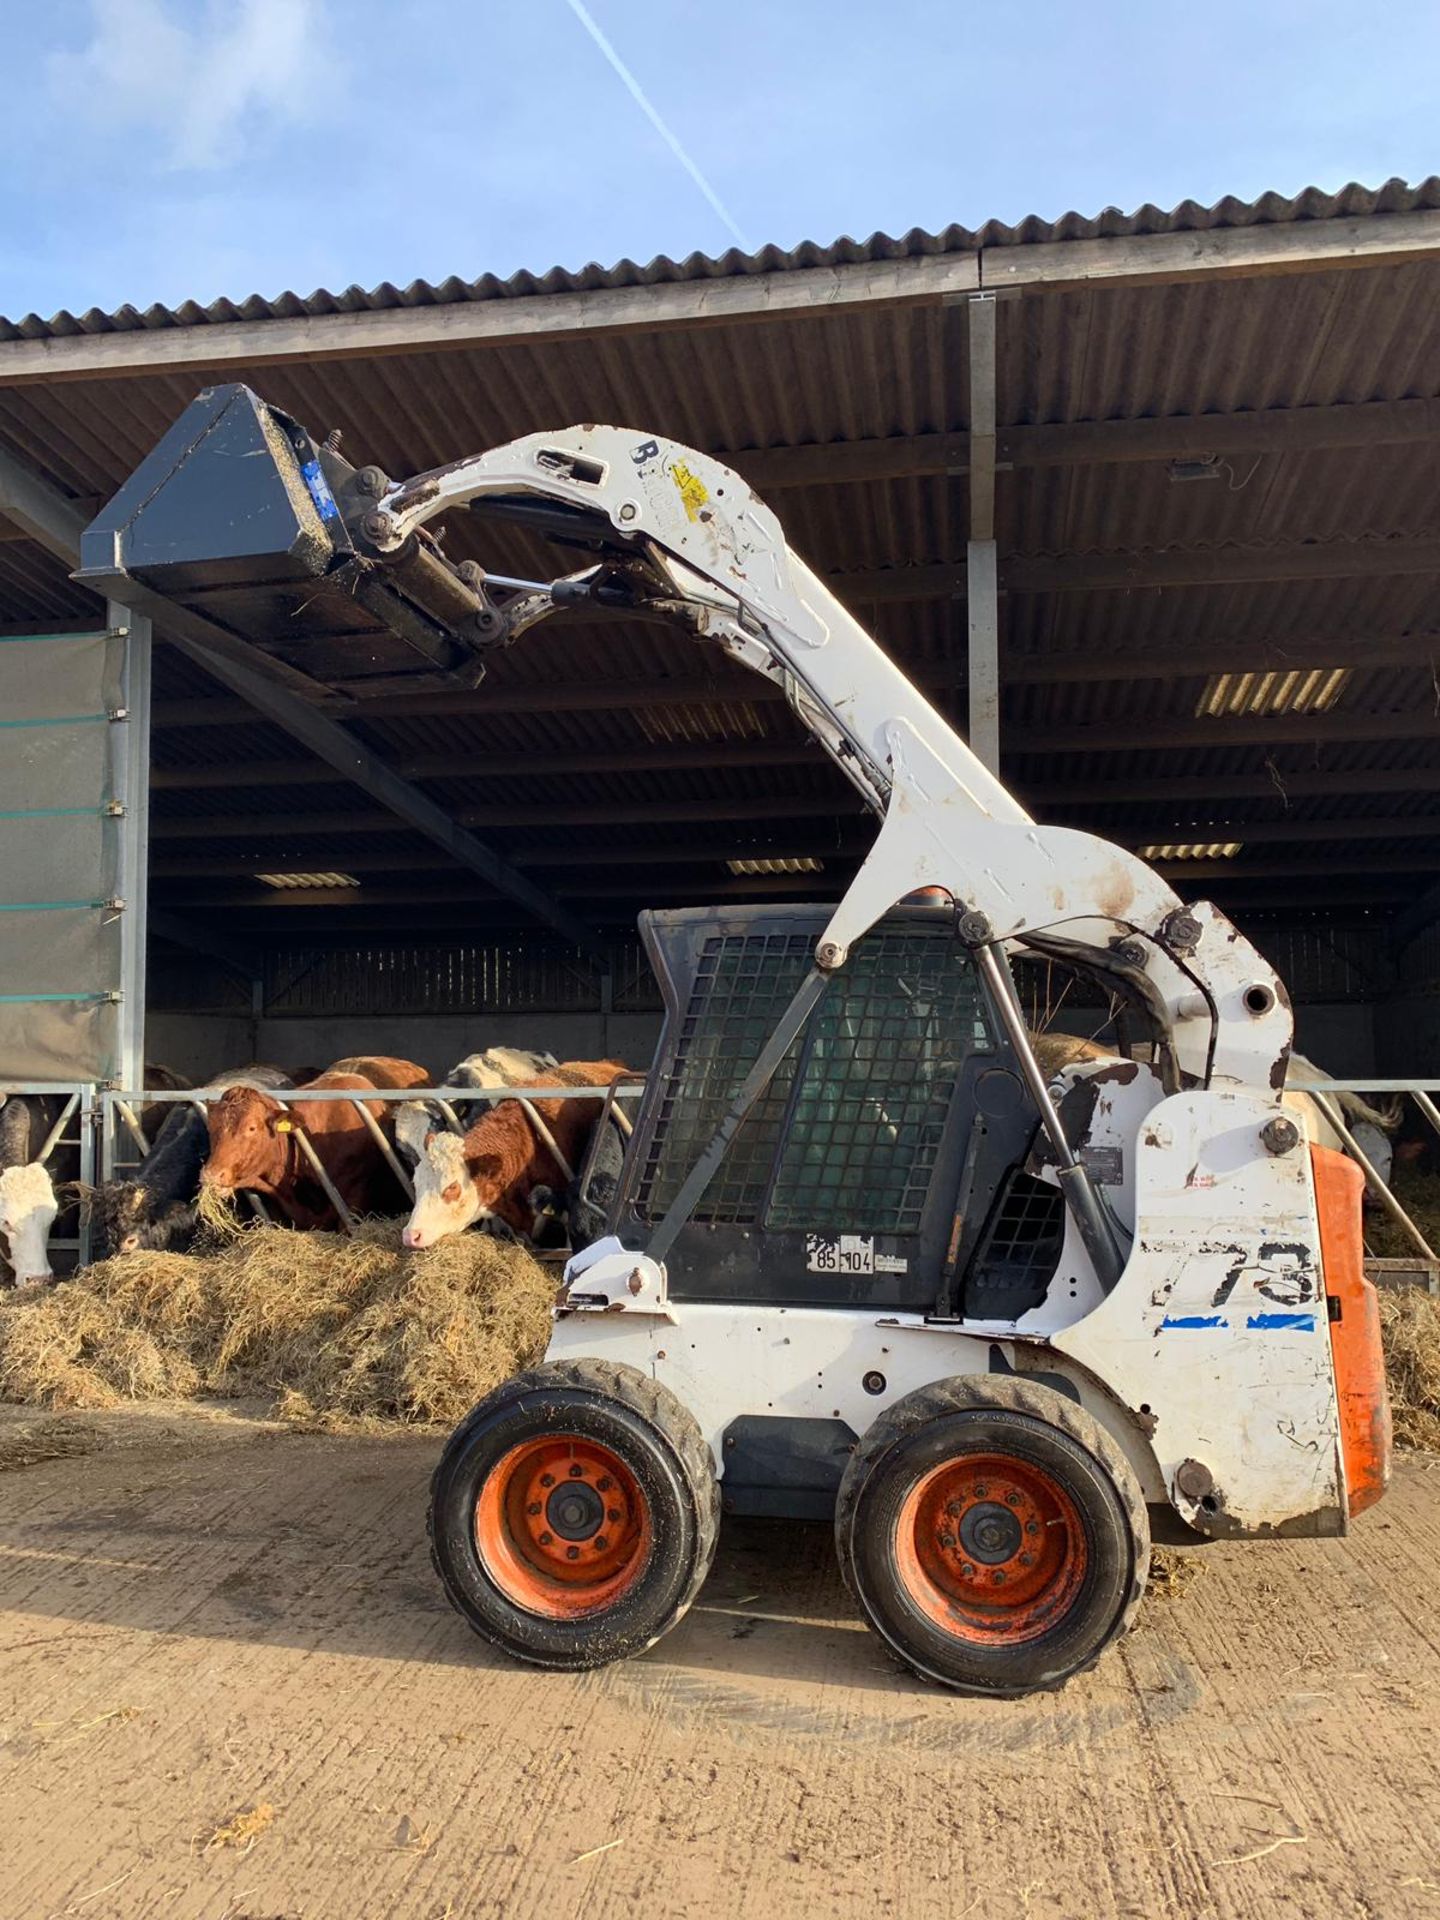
981	585
132	792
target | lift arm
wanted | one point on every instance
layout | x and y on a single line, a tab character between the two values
678	525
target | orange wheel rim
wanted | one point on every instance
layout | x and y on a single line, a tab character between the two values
562	1527
991	1548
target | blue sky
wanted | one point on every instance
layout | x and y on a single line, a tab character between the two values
173	149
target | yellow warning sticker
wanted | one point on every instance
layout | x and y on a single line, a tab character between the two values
692	489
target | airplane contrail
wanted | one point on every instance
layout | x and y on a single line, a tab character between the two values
637	94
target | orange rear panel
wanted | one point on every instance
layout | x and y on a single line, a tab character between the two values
1354	1329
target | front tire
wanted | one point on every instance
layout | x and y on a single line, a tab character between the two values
994	1535
574	1514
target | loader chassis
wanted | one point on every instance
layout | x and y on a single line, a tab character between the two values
866	1255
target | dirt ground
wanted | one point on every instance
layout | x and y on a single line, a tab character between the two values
202	1615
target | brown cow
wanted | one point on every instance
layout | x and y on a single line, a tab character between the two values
383	1070
253	1146
491	1172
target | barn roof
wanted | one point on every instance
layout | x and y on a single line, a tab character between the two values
1218	521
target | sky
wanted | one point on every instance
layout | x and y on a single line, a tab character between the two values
165	150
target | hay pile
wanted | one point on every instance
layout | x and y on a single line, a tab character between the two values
1419	1194
331	1330
1410	1324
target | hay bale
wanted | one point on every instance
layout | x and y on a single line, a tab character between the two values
1410	1324
333	1329
1419	1195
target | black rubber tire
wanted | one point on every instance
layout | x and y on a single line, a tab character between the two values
661	1445
994	1413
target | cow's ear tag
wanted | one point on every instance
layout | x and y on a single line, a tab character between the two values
284	1126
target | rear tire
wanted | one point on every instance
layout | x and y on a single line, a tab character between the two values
994	1535
574	1514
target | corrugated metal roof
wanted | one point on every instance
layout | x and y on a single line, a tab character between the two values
1271	209
1082	353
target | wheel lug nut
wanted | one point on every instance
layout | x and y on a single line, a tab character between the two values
576	1471
547	1479
954	1509
998	1579
534	1507
1012	1499
612	1514
604	1483
601	1543
1027	1559
546	1540
947	1540
967	1572
572	1553
1032	1526
979	1493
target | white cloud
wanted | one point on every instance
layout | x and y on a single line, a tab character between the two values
194	77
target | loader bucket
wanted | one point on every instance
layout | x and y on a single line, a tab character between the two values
238	516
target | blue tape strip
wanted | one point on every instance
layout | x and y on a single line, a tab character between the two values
1281	1322
1189	1321
46	906
47	813
33	999
59	720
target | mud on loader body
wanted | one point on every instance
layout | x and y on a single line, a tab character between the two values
867	1259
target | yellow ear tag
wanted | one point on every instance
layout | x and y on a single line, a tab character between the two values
284	1126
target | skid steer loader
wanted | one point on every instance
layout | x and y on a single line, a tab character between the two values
868	1260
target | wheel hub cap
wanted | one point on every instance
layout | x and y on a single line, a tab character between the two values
575	1511
991	1533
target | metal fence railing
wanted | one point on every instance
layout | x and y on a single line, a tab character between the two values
1424	1096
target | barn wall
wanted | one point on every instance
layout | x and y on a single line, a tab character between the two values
438	1040
198	1044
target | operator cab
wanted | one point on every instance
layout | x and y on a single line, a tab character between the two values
895	1161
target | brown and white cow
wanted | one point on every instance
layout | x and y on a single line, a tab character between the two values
490	1174
253	1145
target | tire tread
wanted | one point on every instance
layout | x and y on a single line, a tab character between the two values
655	1404
1006	1393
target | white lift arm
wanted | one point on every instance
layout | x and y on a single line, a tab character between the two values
947	820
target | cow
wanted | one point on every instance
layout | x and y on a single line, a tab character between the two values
27	1213
1370	1126
495	1067
157	1210
253	1147
490	1174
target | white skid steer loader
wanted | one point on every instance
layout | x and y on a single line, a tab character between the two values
867	1258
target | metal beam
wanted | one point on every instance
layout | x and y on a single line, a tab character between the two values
1193	873
58	524
1368	423
802	844
479	764
904	456
1173	567
1163	661
1222	253
245	344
